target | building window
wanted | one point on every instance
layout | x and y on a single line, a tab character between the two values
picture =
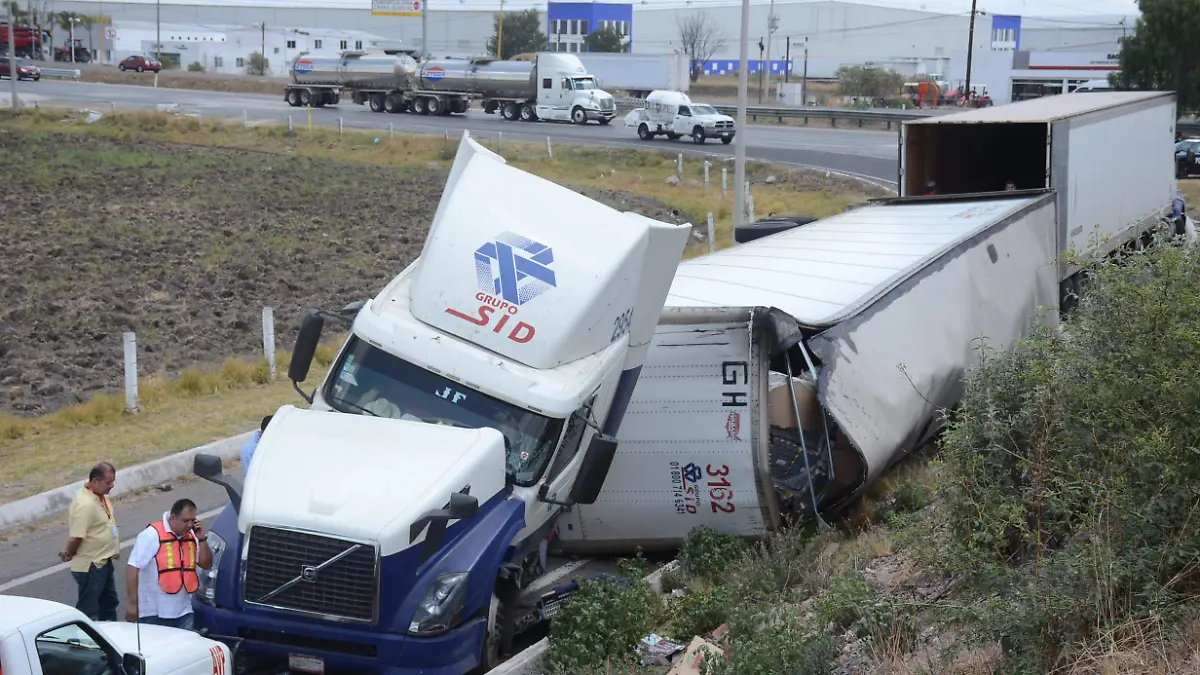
291	44
624	28
316	44
574	47
342	44
241	63
218	62
574	26
583	27
358	44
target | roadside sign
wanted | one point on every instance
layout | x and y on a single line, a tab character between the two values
110	33
397	7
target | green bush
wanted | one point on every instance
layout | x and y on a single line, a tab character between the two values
1074	461
604	620
847	599
195	67
775	650
700	611
706	552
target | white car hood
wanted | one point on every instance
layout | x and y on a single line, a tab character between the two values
364	478
712	119
169	650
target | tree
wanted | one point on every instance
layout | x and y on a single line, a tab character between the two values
256	64
523	32
607	39
868	81
701	39
86	23
1163	52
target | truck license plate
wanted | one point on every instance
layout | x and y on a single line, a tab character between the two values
306	664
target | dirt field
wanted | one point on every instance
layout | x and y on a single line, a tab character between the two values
185	246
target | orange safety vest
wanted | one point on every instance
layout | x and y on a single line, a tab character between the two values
176	559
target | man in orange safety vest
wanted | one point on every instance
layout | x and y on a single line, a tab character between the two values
162	571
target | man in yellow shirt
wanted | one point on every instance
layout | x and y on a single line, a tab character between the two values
93	544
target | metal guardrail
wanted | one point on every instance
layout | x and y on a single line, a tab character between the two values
877	115
72	73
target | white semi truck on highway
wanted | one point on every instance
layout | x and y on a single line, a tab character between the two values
565	382
552	86
42	637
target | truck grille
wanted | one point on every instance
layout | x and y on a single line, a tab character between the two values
607	104
724	125
342	590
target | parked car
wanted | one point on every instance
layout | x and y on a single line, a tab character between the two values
140	64
1187	157
25	69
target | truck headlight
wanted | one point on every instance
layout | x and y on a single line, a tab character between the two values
208	577
441	608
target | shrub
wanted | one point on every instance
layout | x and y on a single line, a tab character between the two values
706	552
700	611
847	598
195	67
1074	460
772	650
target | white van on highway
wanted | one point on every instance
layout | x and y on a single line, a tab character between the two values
42	637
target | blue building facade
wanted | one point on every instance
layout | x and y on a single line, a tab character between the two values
569	23
732	66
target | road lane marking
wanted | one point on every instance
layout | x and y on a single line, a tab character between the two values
41	574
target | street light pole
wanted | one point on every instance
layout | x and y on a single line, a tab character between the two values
263	48
158	31
739	155
424	29
770	34
500	33
966	90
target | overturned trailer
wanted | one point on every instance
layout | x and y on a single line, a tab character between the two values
792	371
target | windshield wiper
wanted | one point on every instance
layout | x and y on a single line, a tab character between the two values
356	407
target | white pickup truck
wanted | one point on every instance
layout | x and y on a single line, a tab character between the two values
674	115
41	637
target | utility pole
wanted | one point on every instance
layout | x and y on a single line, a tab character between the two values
157	31
787	60
500	33
770	34
424	29
263	49
966	91
804	76
103	32
760	68
739	155
12	58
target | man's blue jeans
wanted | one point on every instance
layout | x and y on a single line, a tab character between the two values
185	622
98	592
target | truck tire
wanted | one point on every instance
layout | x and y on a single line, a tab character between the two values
765	228
393	104
698	136
306	97
420	105
727	139
528	114
578	116
434	106
376	102
293	98
644	132
510	112
604	121
460	106
673	136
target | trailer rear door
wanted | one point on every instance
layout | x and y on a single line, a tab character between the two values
687	453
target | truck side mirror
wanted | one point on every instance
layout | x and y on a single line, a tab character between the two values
306	346
594	469
133	664
209	468
461	506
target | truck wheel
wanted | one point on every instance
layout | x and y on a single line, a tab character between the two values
644	132
578	116
434	106
377	103
698	136
528	114
604	121
392	104
673	137
727	139
420	106
293	98
510	112
306	98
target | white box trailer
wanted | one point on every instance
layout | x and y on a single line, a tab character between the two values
875	312
637	74
1108	156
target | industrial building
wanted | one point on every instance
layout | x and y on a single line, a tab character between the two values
1015	56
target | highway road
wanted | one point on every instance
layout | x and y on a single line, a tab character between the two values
865	154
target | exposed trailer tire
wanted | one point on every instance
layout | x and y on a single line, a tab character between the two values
644	132
393	104
293	98
376	102
764	228
306	97
434	106
528	113
420	105
460	106
578	116
510	111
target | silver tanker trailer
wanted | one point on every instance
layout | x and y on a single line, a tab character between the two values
552	86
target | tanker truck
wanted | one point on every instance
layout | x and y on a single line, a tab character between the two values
551	87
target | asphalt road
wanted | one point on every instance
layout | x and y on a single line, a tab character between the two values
865	154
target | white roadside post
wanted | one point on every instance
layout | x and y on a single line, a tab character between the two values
268	323
131	379
750	208
499	141
739	162
245	119
712	235
706	168
341	128
679	167
391	130
549	150
289	125
724	181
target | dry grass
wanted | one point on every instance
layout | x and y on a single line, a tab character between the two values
1190	187
182	80
198	407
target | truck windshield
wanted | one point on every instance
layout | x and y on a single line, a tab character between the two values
369	381
583	83
701	109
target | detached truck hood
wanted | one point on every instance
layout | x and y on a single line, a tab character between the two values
365	478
